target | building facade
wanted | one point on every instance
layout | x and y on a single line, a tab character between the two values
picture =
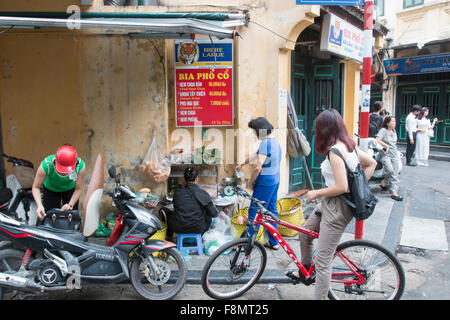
111	90
415	68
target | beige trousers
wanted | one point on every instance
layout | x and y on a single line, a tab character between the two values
335	216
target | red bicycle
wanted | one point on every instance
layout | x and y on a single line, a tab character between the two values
360	269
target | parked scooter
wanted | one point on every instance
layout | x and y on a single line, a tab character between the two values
48	259
376	151
24	172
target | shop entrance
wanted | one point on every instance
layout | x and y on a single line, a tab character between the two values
435	96
315	86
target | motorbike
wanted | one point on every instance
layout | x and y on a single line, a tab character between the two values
23	171
376	151
48	259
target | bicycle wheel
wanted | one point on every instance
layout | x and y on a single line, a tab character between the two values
384	278
228	273
167	283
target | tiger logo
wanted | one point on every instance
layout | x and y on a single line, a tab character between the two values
188	52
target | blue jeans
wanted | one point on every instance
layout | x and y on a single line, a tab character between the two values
269	195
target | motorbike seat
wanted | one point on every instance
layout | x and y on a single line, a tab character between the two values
5	196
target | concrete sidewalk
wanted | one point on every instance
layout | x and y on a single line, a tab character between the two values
278	261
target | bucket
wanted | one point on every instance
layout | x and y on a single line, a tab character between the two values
241	227
290	210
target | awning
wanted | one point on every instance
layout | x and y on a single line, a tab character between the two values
174	27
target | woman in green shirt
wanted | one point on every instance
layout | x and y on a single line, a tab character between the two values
61	178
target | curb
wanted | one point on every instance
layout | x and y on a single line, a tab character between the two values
269	276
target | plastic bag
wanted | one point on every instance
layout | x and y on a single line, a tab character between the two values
106	226
220	232
153	165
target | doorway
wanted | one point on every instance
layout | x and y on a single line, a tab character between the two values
316	84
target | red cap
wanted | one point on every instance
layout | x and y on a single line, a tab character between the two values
66	159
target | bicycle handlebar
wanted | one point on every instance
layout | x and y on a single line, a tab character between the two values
240	191
18	162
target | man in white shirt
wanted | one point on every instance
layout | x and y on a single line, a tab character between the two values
411	129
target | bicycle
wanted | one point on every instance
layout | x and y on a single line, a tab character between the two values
361	269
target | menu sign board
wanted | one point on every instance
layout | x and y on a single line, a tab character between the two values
204	83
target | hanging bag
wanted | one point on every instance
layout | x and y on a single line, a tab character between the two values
360	199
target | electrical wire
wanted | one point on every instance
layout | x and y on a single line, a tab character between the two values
214	53
277	34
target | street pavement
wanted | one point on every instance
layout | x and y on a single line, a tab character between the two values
414	229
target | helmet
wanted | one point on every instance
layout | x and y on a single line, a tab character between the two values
66	159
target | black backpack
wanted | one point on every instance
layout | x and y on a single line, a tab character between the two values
374	126
360	199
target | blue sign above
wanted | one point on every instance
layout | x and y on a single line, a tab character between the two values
333	2
419	64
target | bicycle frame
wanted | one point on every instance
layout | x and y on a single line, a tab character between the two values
266	222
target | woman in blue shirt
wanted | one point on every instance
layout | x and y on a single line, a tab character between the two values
265	178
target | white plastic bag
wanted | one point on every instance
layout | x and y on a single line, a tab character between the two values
220	232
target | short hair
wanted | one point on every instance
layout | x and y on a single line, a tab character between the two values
261	126
377	105
416	107
190	174
329	127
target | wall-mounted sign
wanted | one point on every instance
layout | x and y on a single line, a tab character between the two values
333	2
420	64
341	38
204	83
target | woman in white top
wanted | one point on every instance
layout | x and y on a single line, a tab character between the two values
424	127
331	215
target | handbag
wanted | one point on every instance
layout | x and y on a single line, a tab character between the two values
431	132
360	199
58	219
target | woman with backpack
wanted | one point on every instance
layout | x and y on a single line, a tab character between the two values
332	214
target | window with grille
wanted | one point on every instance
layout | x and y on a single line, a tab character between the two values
411	3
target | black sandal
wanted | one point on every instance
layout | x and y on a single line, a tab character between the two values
295	279
384	188
396	198
271	246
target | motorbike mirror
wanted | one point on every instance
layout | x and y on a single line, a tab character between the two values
372	144
112	172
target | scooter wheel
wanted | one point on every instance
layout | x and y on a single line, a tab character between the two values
169	280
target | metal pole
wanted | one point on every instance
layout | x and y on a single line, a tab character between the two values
365	107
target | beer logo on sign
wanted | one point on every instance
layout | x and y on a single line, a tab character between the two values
188	52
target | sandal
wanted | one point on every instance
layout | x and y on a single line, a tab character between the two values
384	188
396	198
271	246
295	279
